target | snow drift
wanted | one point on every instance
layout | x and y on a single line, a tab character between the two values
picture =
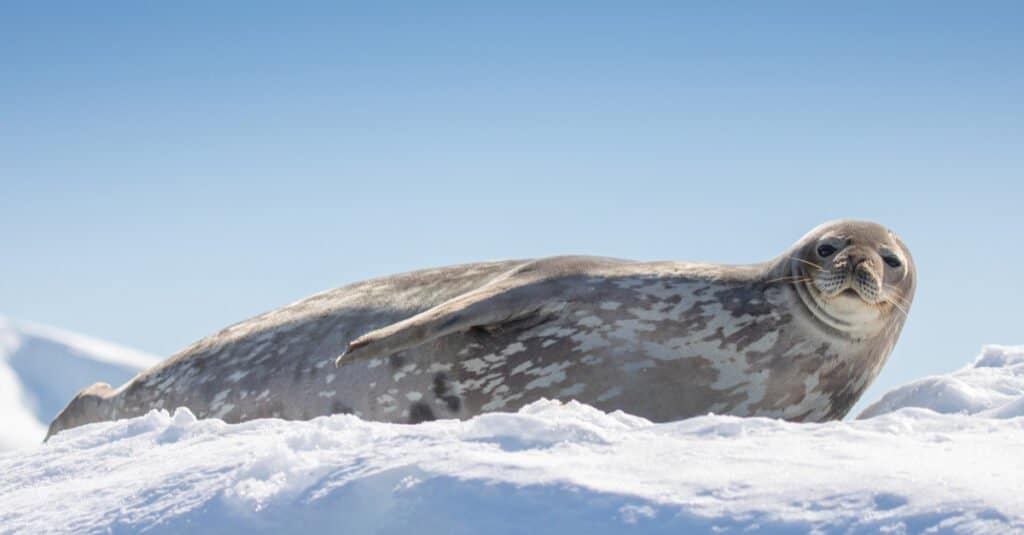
992	385
550	468
41	368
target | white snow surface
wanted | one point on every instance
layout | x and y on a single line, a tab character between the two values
41	368
550	468
992	385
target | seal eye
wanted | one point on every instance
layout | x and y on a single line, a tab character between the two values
892	261
826	250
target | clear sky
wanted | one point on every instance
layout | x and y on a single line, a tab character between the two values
167	169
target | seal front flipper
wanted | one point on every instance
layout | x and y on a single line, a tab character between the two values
492	307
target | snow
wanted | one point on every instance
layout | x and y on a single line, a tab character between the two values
41	368
992	386
925	463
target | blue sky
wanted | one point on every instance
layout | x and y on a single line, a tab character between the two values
168	169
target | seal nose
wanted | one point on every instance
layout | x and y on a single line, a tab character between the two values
856	257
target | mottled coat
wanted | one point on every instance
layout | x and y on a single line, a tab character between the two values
663	340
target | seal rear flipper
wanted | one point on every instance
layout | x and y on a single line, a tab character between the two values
89	405
492	308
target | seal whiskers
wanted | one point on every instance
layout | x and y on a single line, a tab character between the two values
808	262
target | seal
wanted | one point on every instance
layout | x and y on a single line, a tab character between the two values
799	337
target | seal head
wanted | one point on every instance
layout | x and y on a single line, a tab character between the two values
854	277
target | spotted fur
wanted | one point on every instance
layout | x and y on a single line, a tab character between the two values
663	340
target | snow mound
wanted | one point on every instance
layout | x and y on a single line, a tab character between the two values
41	368
550	468
992	386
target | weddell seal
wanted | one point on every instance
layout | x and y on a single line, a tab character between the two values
799	337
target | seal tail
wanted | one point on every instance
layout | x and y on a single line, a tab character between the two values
89	405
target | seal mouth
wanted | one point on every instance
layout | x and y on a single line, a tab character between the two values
856	287
852	294
847	309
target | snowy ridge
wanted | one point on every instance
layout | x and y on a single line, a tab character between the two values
41	368
992	386
551	468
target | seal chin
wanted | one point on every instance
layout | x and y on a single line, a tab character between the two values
849	314
852	304
849	308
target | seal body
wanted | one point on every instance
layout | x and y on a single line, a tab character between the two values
799	337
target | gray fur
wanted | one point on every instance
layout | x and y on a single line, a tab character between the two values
663	340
